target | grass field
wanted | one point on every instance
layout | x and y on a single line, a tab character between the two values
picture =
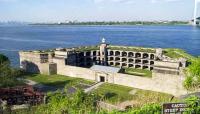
115	94
138	72
55	80
177	53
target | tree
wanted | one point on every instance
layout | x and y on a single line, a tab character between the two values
3	59
8	75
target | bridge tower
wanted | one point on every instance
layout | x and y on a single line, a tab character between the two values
195	11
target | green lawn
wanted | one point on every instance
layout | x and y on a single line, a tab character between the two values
142	97
88	48
138	72
116	93
131	48
177	53
56	80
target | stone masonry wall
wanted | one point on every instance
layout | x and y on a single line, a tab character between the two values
171	84
74	71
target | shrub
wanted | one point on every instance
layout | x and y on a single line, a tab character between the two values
193	75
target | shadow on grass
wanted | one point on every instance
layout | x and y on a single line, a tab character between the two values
110	95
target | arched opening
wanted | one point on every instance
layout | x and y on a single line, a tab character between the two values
111	63
152	56
111	53
124	59
98	53
117	64
138	55
94	59
130	60
151	62
137	66
124	64
145	61
94	53
117	53
117	59
111	58
145	67
130	65
130	54
137	61
145	55
124	54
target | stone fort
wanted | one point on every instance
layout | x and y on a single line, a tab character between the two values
106	63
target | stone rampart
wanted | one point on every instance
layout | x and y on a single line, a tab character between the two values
74	71
166	83
171	84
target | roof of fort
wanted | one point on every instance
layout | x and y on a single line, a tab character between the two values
107	69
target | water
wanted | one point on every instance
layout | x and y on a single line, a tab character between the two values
27	37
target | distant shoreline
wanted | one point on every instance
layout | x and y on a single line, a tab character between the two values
138	23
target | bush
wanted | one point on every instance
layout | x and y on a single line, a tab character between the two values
193	75
193	103
66	103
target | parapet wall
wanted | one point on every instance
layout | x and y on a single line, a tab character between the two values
73	71
166	83
171	84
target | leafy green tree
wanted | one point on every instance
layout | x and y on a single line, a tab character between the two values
8	75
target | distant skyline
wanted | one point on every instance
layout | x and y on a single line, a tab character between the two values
96	10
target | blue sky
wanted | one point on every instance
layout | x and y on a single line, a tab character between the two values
95	10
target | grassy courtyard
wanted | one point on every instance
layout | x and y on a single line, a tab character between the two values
56	80
138	72
111	93
116	94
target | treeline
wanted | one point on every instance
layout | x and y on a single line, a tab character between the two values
118	23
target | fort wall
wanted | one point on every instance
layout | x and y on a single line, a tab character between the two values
74	71
166	83
171	84
166	77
